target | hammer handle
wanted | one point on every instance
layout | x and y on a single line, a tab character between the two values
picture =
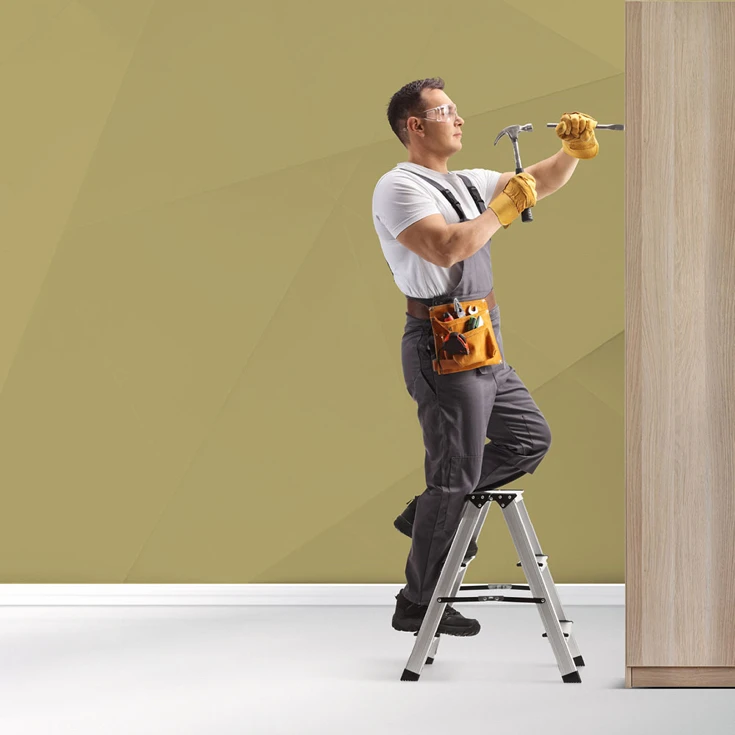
526	215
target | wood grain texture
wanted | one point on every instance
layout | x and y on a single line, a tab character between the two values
680	337
682	676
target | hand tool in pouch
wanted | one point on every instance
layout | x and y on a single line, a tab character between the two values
455	344
476	320
512	132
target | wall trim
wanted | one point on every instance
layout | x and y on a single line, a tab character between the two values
261	594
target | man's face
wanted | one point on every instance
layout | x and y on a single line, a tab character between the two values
440	136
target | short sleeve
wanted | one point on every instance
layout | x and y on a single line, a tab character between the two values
398	203
488	180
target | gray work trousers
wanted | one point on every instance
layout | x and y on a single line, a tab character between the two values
457	412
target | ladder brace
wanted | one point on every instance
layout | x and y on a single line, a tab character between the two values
495	598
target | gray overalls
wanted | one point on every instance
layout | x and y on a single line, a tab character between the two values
457	411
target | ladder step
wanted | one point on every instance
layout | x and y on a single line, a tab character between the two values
544	558
466	587
494	598
566	628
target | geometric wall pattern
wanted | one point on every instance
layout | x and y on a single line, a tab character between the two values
188	246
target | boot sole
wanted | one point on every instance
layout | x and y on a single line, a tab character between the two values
407	627
403	526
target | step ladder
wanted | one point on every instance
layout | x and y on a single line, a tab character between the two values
535	566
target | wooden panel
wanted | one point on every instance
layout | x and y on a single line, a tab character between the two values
682	676
680	335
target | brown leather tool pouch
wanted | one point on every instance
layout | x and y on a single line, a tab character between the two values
483	347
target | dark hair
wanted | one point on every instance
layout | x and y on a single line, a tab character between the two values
406	102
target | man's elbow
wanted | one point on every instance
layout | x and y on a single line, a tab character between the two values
445	253
444	257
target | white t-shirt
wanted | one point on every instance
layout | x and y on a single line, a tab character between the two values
402	198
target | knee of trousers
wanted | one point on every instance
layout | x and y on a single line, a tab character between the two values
540	444
542	441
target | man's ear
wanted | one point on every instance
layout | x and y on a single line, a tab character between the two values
417	128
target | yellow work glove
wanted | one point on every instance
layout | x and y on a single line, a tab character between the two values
519	194
577	133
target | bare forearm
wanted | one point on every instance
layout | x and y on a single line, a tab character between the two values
466	238
553	172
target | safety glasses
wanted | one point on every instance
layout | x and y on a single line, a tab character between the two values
443	113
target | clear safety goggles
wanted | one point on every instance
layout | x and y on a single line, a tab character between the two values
443	113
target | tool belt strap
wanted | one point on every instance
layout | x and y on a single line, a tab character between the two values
421	311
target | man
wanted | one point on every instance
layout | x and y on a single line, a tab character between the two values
435	228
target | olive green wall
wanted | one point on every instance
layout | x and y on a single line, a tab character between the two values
200	375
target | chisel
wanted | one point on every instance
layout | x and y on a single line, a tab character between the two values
615	126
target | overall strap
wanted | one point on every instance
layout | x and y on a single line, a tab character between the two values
452	199
473	192
447	193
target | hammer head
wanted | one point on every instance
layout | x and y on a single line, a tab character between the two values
512	131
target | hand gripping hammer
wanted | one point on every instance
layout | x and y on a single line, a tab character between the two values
512	132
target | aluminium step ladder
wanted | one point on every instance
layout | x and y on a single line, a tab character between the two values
535	566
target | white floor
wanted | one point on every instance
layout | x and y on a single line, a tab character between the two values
301	670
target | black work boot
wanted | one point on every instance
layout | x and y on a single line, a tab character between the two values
404	523
409	616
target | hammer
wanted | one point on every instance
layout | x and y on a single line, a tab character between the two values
512	132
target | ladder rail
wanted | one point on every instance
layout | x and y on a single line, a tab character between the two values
462	571
451	577
547	611
546	573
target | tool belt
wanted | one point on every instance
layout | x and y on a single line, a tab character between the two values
479	343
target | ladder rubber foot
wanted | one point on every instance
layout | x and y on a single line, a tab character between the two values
572	678
578	661
413	676
429	660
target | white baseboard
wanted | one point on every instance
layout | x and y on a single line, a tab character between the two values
262	594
